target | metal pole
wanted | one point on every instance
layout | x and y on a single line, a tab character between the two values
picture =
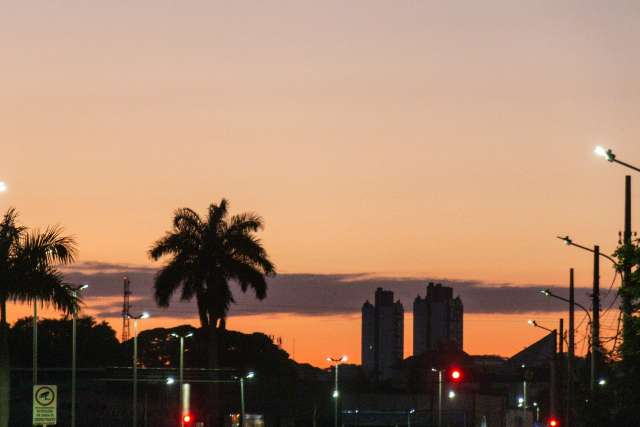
408	419
439	397
35	342
627	307
553	386
73	363
570	384
595	324
337	396
135	371
524	402
181	380
242	413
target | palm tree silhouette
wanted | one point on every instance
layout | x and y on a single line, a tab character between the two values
205	255
28	274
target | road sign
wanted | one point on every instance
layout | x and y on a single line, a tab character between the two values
45	405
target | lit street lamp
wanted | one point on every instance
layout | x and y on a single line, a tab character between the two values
143	315
608	154
74	294
336	394
3	187
411	412
248	376
537	325
181	373
595	325
548	293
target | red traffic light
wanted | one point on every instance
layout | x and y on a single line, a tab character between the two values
553	422
186	418
455	375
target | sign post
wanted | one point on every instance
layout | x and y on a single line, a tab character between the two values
45	405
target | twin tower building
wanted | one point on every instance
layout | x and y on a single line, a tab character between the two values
437	322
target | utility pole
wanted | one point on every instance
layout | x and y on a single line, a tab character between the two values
439	397
553	386
595	324
560	366
571	349
627	325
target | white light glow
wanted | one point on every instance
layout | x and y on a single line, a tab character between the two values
3	187
600	151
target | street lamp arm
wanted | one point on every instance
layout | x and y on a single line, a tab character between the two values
570	242
626	164
548	293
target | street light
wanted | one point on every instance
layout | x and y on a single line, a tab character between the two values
3	187
248	376
611	157
548	293
143	315
411	412
537	325
181	372
595	325
74	294
336	394
439	371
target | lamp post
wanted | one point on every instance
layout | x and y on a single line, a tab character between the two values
439	371
552	370
411	412
143	315
181	371
74	293
241	379
336	394
571	344
595	325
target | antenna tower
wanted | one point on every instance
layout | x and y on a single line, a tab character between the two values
125	310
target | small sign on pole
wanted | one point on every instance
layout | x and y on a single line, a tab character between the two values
45	405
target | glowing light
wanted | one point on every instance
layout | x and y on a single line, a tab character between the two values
3	187
452	394
600	151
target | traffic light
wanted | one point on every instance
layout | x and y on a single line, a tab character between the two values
186	419
455	375
553	422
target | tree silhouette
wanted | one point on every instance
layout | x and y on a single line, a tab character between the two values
28	274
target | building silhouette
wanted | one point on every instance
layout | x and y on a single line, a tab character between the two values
437	320
382	335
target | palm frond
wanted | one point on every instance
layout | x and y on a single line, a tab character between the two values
49	246
168	281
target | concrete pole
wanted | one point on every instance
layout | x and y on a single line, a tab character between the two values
595	324
181	381
73	363
242	412
135	372
337	396
439	397
35	342
570	383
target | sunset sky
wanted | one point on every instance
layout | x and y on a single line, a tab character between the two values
384	143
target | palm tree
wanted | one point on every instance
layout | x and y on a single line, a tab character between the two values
205	255
28	274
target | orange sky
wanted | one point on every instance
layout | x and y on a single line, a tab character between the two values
450	140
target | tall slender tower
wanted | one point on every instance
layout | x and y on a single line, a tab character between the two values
126	333
382	335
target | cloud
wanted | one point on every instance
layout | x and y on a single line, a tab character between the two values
315	294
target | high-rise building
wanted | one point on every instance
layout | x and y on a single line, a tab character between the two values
382	335
437	320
